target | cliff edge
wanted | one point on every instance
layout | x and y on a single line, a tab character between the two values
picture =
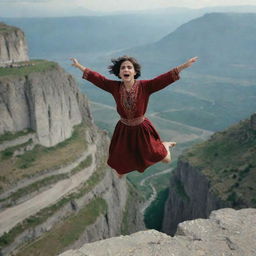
218	173
226	232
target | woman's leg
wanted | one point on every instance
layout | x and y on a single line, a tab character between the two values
119	175
167	145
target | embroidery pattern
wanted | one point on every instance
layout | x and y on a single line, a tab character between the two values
129	99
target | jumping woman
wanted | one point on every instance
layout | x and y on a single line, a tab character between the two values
135	144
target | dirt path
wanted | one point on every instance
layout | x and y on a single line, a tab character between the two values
14	215
154	193
62	170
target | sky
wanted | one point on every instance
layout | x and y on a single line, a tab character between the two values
32	7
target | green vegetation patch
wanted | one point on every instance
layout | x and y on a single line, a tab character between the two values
228	159
42	158
154	214
6	28
8	237
11	136
8	152
67	232
28	67
135	178
36	186
26	160
179	188
87	162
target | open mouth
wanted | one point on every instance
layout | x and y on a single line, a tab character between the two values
126	75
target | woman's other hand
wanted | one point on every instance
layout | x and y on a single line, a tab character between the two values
187	64
76	64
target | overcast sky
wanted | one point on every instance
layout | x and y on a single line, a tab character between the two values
110	5
9	7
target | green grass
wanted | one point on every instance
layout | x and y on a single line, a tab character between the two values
8	237
6	28
87	162
8	152
135	178
36	186
67	232
179	188
154	214
228	159
34	66
28	158
11	136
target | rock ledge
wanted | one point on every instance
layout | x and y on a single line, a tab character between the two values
226	232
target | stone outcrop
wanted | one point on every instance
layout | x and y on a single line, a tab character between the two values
226	232
217	173
47	102
253	121
13	46
186	181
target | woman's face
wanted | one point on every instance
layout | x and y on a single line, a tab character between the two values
127	71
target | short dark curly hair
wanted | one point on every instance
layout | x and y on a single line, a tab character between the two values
115	67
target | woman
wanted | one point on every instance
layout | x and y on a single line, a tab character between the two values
135	144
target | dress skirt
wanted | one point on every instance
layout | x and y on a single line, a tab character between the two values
135	147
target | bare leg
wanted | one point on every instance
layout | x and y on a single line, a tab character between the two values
167	145
119	175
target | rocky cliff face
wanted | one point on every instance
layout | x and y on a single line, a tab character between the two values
226	232
54	182
190	197
13	46
215	174
47	102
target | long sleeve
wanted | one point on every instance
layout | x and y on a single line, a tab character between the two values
162	81
99	80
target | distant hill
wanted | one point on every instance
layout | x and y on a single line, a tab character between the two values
90	35
224	42
220	89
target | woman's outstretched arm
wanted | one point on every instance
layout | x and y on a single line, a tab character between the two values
160	82
95	77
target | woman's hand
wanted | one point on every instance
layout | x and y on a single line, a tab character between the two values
191	61
76	64
187	64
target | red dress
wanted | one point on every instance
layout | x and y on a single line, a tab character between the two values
135	144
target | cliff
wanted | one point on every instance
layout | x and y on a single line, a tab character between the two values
41	97
56	191
220	172
226	232
13	46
